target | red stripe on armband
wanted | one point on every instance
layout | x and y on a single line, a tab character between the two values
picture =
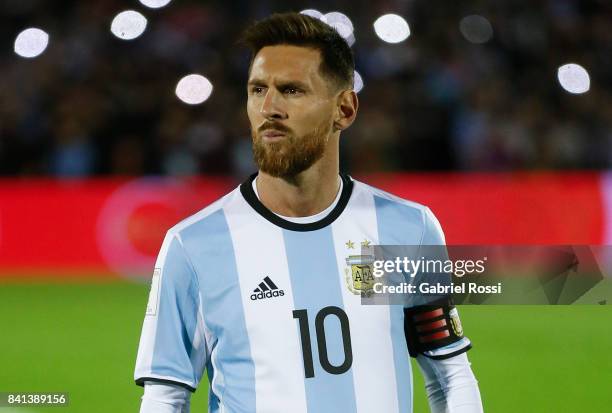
431	326
435	336
429	314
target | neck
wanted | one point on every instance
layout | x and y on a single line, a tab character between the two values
304	194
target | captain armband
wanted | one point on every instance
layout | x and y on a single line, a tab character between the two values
434	330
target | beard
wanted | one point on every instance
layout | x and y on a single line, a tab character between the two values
291	155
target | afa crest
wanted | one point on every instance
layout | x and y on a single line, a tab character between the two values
359	277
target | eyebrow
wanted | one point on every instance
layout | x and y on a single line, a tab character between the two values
282	84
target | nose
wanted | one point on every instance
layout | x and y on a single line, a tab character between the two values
271	107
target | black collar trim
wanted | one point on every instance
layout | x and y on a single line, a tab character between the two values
246	189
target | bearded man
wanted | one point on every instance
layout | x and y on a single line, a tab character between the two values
253	289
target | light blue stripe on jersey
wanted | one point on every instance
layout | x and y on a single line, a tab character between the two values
176	322
210	246
315	285
399	224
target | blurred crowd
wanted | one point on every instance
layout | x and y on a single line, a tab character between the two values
93	104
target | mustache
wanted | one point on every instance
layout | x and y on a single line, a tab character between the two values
272	125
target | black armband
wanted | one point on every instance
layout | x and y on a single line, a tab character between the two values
429	327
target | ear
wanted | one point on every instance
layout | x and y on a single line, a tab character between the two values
346	109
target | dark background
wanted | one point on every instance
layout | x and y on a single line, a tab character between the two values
93	104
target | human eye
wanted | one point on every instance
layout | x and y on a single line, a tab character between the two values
257	90
292	91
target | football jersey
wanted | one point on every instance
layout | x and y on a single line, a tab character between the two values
270	311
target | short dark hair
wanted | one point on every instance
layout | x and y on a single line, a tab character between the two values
337	61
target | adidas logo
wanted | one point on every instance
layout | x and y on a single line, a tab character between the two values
266	289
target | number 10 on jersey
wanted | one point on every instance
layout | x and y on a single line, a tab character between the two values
302	316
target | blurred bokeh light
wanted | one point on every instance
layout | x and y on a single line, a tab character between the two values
313	13
340	22
574	78
357	82
31	42
391	28
155	4
128	25
194	89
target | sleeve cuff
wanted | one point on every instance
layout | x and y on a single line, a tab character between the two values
141	382
449	351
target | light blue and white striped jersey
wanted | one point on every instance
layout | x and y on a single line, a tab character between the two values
268	308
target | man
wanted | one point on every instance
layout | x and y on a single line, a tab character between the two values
253	288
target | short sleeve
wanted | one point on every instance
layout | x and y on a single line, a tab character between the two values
432	326
173	345
432	232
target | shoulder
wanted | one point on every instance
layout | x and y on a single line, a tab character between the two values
386	201
206	219
396	215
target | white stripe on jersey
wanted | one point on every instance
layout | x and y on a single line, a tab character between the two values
373	364
277	353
